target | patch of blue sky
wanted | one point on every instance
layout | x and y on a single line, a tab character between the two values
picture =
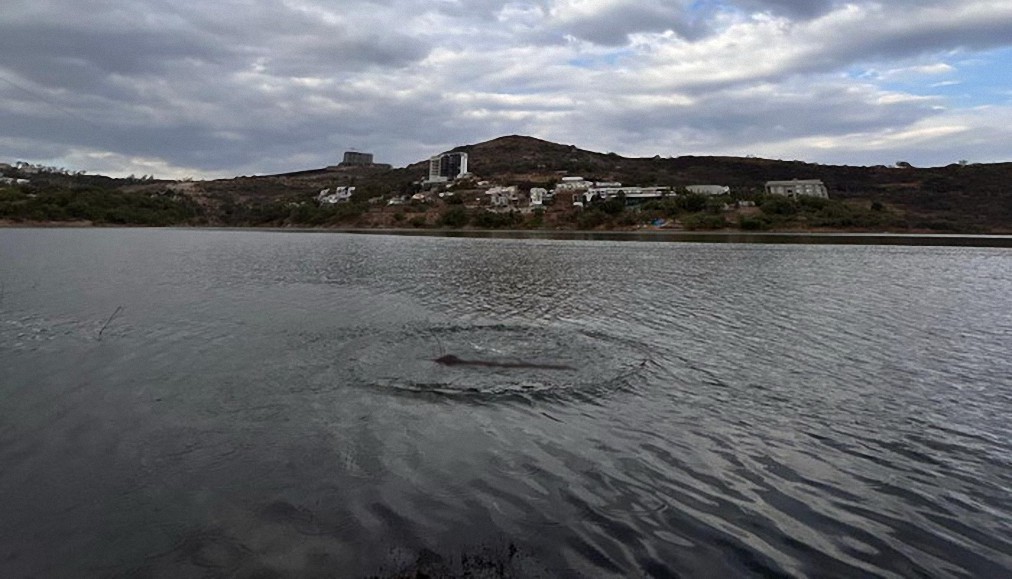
975	79
603	60
711	6
983	79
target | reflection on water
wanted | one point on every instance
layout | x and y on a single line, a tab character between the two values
269	405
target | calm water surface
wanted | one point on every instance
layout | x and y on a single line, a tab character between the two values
265	404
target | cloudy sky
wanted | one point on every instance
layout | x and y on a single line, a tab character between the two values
186	88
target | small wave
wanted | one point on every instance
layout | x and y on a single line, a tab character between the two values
565	364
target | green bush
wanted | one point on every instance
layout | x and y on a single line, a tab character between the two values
591	218
537	219
752	222
490	220
697	221
455	216
806	202
691	202
97	205
612	206
778	205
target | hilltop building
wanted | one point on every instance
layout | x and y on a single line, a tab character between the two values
352	158
447	167
797	187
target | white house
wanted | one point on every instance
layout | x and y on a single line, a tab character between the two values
797	187
502	196
538	195
632	195
573	184
337	195
708	189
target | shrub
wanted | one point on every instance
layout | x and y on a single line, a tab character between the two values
752	222
691	202
454	217
777	205
490	220
537	219
591	219
698	221
805	202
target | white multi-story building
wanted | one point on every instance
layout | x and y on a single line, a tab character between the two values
798	187
447	167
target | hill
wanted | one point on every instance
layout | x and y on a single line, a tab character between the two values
965	197
954	198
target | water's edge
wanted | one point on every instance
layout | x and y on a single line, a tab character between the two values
771	237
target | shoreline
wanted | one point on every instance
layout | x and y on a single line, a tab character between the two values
646	235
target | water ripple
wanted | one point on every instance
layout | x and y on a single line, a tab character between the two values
268	404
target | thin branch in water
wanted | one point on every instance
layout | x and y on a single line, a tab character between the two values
118	310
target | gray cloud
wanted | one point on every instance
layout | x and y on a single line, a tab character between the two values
259	86
612	25
793	8
734	118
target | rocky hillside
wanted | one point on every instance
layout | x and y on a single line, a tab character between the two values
973	195
955	198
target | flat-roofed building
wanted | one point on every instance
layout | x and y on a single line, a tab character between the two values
797	188
356	158
709	189
573	184
447	167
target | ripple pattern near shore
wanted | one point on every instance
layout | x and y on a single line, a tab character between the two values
266	404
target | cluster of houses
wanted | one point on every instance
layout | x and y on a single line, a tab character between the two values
585	192
335	195
446	168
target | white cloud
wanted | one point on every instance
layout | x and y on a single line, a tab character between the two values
241	87
115	164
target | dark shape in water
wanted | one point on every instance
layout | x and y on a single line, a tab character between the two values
451	360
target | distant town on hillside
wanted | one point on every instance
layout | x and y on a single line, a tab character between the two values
526	183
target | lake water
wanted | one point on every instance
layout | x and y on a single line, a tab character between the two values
265	404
